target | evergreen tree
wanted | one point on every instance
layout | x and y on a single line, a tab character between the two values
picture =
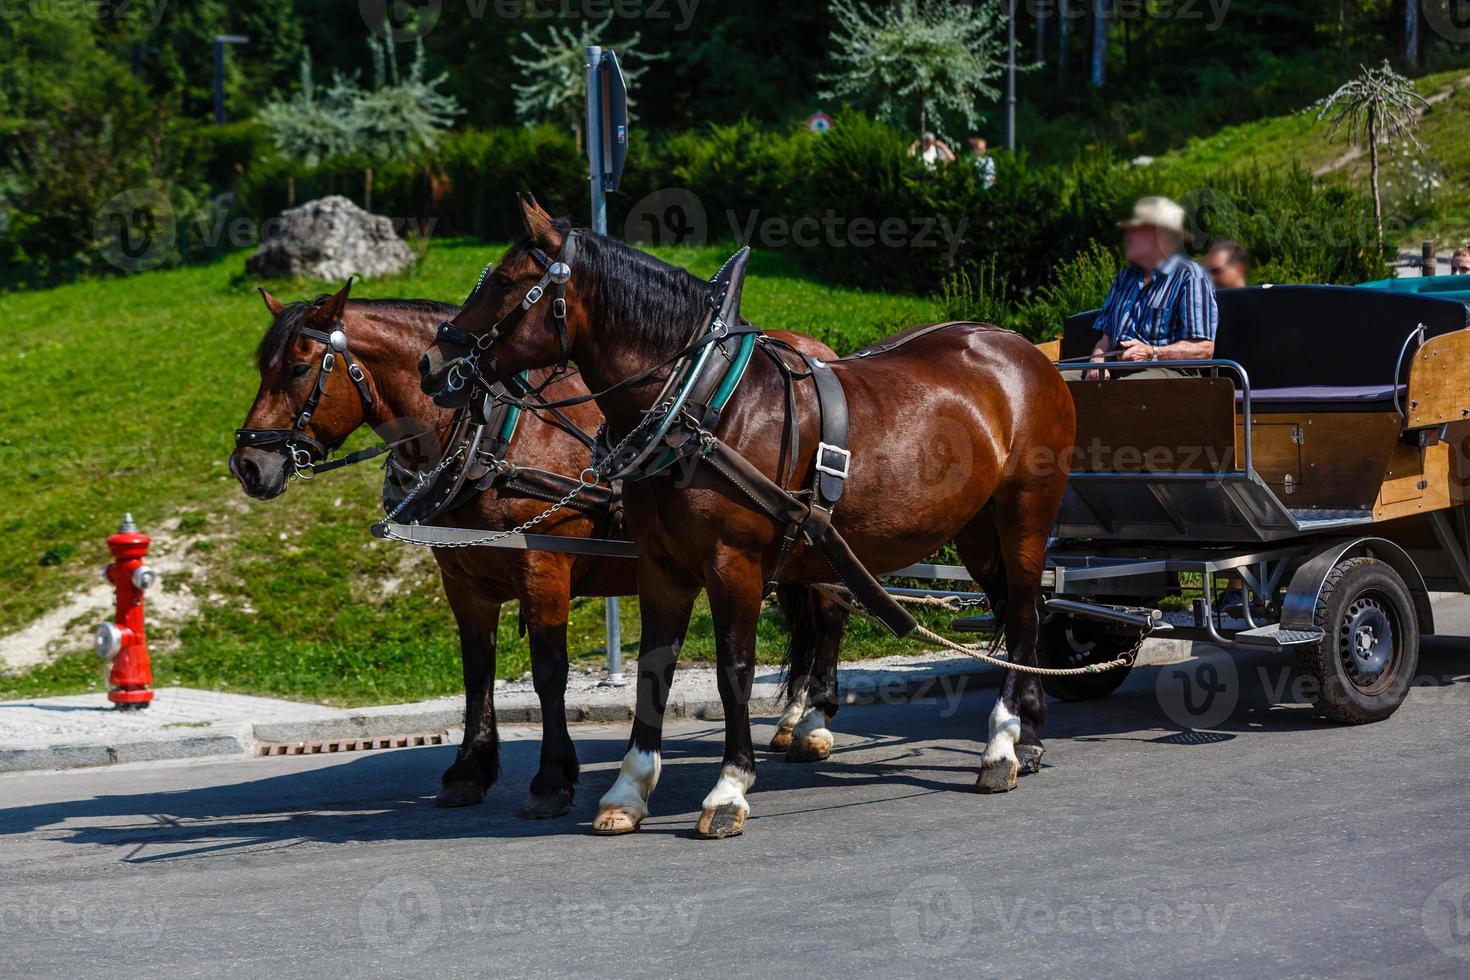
917	60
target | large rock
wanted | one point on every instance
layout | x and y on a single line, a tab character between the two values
329	239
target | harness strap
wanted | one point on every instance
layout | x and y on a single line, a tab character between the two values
833	457
815	524
909	337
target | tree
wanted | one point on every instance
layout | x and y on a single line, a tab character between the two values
1411	33
1380	106
927	55
1099	43
554	82
397	117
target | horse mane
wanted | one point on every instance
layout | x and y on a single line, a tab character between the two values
285	328
660	303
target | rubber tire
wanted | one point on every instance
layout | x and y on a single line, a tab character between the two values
1335	694
1057	652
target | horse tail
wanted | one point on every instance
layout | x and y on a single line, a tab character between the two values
802	637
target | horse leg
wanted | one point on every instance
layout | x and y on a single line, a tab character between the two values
664	604
477	764
811	740
734	588
801	656
545	598
1019	524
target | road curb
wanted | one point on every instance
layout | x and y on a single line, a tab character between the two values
240	725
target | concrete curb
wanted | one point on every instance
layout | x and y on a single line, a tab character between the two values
185	724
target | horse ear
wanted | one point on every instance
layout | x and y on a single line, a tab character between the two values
540	226
336	304
271	303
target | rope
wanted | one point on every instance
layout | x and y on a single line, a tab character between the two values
844	598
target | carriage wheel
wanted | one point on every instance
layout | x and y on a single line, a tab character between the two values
1067	641
1365	664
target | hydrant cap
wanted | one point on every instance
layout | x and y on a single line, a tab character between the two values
127	526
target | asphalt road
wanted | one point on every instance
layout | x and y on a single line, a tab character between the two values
1160	840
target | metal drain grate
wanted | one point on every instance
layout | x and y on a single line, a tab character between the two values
1192	737
326	745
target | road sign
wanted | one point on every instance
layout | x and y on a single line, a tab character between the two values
614	120
819	122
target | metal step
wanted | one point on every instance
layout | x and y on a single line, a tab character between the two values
1276	636
973	624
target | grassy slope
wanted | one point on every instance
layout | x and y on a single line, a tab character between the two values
1299	139
122	395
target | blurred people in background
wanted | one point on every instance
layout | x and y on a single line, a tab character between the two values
932	150
1228	264
983	161
1460	262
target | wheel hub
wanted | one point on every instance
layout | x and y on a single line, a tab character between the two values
1368	639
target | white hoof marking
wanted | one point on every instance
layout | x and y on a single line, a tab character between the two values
1005	732
635	782
731	789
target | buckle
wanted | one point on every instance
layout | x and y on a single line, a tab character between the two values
845	456
354	372
533	296
559	308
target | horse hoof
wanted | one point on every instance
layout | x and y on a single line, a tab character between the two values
999	777
781	741
461	792
613	820
1030	758
554	804
717	823
814	747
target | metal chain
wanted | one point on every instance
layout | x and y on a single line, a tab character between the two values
597	471
845	598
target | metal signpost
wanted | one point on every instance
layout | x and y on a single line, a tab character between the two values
607	151
220	40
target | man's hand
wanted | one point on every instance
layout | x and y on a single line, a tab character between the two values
1095	375
1136	350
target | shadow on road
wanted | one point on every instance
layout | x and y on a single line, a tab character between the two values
922	748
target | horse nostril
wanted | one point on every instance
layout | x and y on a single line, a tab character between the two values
424	366
249	473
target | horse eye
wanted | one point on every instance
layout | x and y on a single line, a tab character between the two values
298	370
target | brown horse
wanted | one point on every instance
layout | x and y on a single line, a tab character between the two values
960	434
383	337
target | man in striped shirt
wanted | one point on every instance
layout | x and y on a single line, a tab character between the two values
1162	305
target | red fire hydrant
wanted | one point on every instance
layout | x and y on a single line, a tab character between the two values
123	641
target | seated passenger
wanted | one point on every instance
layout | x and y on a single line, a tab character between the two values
1162	306
1228	264
1460	262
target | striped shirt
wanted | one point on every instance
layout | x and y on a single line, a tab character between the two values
1177	304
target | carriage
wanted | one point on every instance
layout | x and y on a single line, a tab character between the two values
1319	462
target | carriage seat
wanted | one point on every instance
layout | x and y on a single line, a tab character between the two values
1312	348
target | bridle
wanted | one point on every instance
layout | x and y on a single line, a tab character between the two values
466	368
304	449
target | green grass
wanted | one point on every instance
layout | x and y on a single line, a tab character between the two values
1298	139
123	394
